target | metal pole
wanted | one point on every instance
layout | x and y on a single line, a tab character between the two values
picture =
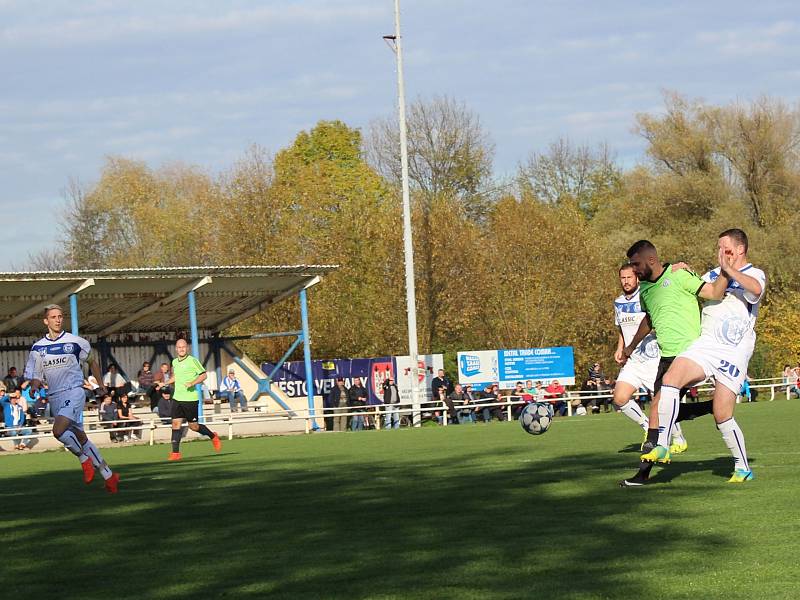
307	358
73	312
195	349
408	246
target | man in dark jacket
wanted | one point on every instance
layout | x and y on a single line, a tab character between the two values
441	381
357	397
391	400
337	401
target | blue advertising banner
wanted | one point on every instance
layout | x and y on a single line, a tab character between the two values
506	367
372	372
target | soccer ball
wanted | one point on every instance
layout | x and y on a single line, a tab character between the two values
536	417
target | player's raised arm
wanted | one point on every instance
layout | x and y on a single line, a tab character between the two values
750	284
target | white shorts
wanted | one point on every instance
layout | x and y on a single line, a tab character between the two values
726	363
68	403
640	374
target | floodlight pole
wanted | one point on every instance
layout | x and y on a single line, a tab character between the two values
408	246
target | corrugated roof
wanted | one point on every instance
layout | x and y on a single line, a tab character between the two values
149	298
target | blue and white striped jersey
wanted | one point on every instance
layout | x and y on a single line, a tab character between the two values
628	314
58	362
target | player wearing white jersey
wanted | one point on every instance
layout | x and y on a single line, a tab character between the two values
725	345
641	369
56	359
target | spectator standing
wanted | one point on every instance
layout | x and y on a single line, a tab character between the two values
792	381
114	382
441	381
147	383
231	388
391	400
357	398
12	381
337	399
596	373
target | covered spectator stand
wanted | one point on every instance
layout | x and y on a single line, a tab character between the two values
135	314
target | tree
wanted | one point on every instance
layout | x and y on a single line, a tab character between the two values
565	172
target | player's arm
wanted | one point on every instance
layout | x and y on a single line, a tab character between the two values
94	369
645	327
33	371
750	284
620	347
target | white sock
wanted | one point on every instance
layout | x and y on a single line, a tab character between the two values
631	410
667	413
677	434
70	441
97	460
734	439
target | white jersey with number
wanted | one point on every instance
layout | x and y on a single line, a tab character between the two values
628	314
728	336
58	362
731	321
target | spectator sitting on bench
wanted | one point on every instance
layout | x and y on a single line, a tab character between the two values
125	414
107	413
114	382
15	416
231	389
554	395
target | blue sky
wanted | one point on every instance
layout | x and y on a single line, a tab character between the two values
199	82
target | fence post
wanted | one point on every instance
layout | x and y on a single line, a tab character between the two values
569	404
230	427
508	408
377	418
152	431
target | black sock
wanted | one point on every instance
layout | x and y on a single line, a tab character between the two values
645	468
652	436
202	429
692	410
176	440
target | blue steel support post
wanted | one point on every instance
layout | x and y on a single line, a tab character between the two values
195	350
73	312
307	358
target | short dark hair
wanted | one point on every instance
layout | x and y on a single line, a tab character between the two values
737	235
639	246
626	267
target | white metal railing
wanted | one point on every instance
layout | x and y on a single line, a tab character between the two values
95	426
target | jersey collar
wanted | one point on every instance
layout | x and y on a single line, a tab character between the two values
60	335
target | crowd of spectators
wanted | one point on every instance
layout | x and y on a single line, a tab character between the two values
791	377
23	409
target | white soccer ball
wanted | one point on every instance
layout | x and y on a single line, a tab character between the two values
536	417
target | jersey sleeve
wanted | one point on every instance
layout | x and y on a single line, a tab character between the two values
198	367
85	349
759	276
33	367
616	316
690	281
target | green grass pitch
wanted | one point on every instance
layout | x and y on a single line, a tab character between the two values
476	511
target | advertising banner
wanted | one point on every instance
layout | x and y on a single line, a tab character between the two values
372	372
506	367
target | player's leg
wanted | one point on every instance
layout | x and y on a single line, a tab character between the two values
177	421
190	411
732	435
683	371
91	456
623	399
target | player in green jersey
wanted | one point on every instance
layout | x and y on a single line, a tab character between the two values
187	372
669	297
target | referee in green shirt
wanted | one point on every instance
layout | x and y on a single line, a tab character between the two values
187	372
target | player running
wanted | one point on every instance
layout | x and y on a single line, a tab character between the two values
641	368
722	351
670	300
56	359
187	372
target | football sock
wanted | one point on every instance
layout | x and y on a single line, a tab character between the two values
176	440
97	460
203	430
667	413
652	435
677	434
631	410
734	440
692	410
71	443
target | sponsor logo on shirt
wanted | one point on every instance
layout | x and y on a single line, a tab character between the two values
68	348
56	362
666	283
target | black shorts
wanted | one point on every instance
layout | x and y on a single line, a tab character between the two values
663	366
184	410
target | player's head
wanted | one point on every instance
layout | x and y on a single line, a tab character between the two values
54	318
642	256
628	279
182	348
734	242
